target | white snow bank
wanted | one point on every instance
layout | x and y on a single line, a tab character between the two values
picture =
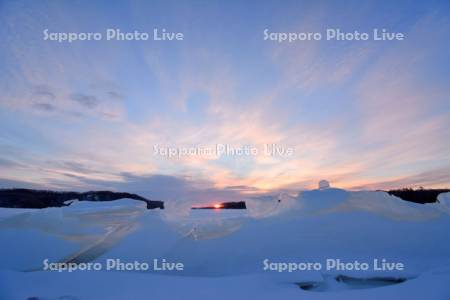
444	199
389	206
332	200
320	201
64	233
442	204
267	206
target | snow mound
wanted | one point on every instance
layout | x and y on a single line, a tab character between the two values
443	203
267	206
383	204
320	201
444	199
71	230
333	200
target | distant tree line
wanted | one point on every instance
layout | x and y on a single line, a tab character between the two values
420	195
28	198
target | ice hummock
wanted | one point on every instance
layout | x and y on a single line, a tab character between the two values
223	250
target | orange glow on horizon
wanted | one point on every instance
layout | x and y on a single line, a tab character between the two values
217	206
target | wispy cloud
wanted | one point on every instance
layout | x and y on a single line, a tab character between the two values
361	114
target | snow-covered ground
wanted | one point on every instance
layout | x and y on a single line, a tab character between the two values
223	251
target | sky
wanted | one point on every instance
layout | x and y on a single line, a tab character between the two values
88	114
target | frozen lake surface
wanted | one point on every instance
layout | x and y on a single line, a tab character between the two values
223	251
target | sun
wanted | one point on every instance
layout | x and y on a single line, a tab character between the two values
217	206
